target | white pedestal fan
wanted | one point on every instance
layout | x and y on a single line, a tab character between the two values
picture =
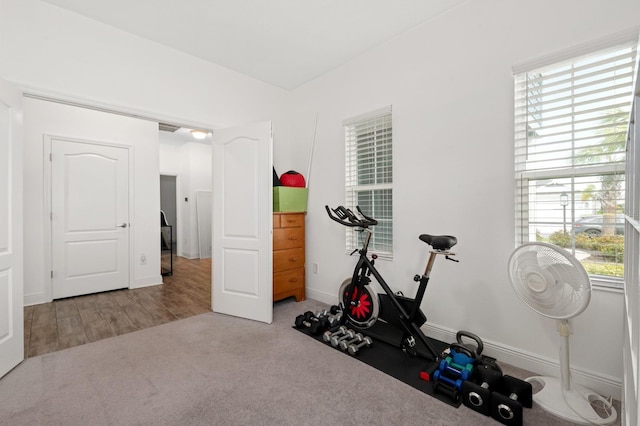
552	282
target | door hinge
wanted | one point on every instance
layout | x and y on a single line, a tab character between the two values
51	274
50	215
50	157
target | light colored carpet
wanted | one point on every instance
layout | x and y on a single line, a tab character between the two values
214	369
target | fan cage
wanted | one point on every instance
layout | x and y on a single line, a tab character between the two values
549	280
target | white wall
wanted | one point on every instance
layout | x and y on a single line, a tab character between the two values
45	49
47	118
191	163
451	87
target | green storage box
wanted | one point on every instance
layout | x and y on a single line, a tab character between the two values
289	199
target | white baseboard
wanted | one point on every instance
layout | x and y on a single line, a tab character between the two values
321	296
39	298
35	299
147	281
602	384
188	255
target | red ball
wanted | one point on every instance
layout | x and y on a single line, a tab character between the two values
292	178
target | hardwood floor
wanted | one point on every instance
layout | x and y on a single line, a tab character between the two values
74	321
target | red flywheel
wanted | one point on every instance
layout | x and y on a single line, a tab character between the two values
362	307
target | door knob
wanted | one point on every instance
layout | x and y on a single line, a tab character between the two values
124	225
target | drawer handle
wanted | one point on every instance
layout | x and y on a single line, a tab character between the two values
293	280
293	259
291	220
293	238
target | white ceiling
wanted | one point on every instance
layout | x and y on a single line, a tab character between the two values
283	42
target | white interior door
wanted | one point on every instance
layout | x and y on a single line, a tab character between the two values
89	217
242	222
11	275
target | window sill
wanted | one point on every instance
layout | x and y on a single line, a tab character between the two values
611	285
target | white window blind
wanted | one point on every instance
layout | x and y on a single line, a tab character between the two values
571	120
369	176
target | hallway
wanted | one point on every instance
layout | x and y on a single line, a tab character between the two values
74	321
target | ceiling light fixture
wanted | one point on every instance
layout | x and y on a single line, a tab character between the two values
199	134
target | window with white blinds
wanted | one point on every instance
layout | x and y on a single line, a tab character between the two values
369	177
571	120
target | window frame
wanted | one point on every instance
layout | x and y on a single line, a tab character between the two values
523	133
371	133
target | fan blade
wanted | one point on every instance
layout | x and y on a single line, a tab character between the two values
549	280
573	292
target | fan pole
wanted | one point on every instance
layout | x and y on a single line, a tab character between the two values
565	374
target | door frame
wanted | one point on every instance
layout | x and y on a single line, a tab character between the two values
179	196
47	142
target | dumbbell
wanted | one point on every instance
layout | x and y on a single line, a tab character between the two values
326	313
445	388
357	338
309	320
332	311
336	340
452	382
336	318
304	320
461	361
322	313
339	331
477	396
354	348
508	409
333	319
464	372
332	314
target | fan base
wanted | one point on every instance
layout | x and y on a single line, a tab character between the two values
574	405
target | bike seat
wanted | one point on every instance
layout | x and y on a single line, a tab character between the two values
439	242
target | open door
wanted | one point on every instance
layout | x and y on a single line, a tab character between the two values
242	222
11	275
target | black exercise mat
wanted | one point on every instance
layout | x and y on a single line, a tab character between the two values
393	361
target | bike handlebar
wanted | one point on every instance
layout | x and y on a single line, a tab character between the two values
346	217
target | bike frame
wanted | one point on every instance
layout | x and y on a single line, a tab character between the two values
365	267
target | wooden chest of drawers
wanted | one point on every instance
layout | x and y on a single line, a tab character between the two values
288	256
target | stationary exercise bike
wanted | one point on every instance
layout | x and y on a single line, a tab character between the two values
389	317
